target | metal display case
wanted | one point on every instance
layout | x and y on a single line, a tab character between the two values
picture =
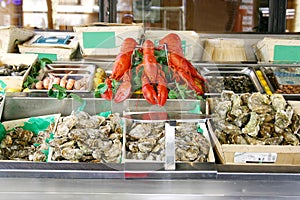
193	180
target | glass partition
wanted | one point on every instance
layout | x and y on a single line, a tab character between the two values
200	16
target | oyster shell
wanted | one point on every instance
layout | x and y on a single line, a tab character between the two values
226	95
223	108
296	123
145	141
84	138
278	102
259	103
236	105
253	141
190	145
252	127
270	120
91	122
283	117
20	144
140	131
290	138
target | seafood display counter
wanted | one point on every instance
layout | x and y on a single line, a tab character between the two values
72	167
99	143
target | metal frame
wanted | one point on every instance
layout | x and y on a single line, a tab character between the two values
277	17
107	11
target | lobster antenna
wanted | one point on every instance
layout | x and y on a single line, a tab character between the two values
166	50
142	39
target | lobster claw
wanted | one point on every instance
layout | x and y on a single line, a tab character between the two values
108	94
124	89
149	94
162	90
162	95
148	90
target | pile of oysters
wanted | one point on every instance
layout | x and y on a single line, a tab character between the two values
256	119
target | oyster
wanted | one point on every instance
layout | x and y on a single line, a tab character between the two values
253	141
145	141
283	117
190	145
221	136
252	127
84	138
72	154
65	124
243	118
236	105
237	139
257	119
245	98
278	102
296	123
91	122
259	103
267	117
20	144
226	95
227	126
223	108
274	140
290	138
140	131
266	130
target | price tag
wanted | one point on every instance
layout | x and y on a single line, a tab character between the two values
245	157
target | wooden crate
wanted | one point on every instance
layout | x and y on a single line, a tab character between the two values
263	154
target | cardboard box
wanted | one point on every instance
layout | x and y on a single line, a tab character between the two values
251	154
53	51
10	37
190	40
105	39
16	82
247	154
277	50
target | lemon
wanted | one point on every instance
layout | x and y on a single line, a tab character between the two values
12	90
26	90
99	70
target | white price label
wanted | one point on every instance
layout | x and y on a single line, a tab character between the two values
245	157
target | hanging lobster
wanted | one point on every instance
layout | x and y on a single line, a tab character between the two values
182	68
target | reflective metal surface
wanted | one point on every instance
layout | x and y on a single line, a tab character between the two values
35	188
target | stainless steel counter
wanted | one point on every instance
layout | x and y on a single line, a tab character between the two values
35	188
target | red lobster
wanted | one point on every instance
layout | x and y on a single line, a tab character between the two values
181	67
121	71
152	77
